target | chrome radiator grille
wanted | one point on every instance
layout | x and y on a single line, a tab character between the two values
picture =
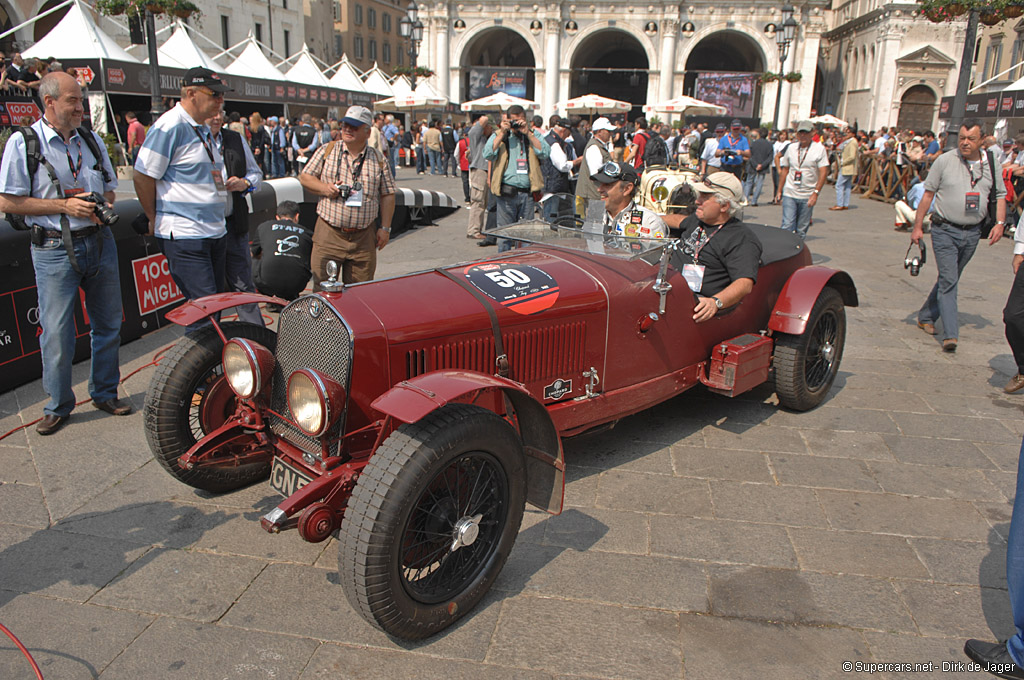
310	335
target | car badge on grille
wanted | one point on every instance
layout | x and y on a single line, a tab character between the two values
315	308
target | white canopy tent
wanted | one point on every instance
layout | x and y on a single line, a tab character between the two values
306	71
400	85
78	37
347	77
179	51
252	63
376	81
592	104
423	97
498	100
829	119
686	106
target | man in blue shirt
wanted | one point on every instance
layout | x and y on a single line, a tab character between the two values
734	149
515	152
70	248
932	148
907	209
390	133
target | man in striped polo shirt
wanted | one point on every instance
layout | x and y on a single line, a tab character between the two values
180	182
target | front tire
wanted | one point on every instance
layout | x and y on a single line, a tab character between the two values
432	520
189	397
806	365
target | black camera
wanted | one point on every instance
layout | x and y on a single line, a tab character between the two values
104	212
914	263
727	153
519	125
346	190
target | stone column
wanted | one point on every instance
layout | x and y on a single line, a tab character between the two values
667	62
441	58
552	66
886	107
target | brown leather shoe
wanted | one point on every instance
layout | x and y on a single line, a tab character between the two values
50	424
928	328
115	407
1015	384
949	345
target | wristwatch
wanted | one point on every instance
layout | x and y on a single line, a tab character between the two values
718	303
387	230
815	191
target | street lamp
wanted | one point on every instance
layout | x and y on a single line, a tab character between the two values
783	39
411	28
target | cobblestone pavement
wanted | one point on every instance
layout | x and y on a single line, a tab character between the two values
704	538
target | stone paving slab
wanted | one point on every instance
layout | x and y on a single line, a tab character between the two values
705	537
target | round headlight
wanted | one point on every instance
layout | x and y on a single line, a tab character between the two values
240	369
307	402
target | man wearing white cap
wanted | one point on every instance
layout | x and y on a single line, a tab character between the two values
356	186
596	153
803	171
720	255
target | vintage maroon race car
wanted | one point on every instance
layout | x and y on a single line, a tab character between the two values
415	416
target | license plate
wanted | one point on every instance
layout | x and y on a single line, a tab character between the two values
287	479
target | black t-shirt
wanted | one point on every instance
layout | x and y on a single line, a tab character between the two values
13	73
286	248
732	252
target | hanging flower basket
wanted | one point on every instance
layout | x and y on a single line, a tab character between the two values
769	77
935	15
155	7
1013	11
955	9
112	7
793	77
990	18
182	9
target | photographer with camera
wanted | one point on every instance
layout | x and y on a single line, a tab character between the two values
57	178
515	152
358	201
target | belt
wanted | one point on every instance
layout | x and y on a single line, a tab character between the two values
516	190
941	220
76	233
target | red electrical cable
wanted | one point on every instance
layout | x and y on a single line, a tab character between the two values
35	666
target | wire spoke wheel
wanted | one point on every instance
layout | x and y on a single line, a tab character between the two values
432	520
806	365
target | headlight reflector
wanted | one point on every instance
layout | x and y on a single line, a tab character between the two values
315	400
245	365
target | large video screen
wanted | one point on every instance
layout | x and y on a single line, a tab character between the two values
487	80
734	91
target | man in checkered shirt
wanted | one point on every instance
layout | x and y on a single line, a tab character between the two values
356	188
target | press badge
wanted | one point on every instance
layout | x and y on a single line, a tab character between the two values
694	275
972	202
68	193
521	167
797	176
355	199
218	180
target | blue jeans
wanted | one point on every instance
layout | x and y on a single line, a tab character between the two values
1015	566
421	159
197	267
844	184
57	285
952	249
796	215
276	164
238	275
753	184
435	162
393	158
512	209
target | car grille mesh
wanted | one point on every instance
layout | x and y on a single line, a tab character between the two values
537	354
322	343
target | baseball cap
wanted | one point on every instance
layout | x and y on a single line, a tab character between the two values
614	172
562	123
1007	142
805	126
603	123
721	183
358	116
204	77
720	127
273	118
736	123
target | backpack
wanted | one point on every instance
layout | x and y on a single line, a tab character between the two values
34	158
656	151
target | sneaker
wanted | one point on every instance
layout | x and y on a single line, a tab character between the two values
1016	384
949	345
928	328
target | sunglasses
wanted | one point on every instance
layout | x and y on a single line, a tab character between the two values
211	93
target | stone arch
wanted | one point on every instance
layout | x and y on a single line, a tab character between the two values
758	38
43	26
522	58
623	53
917	114
9	18
569	54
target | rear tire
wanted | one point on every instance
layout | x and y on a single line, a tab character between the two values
456	474
189	397
806	365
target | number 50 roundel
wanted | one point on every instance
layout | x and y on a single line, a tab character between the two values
518	287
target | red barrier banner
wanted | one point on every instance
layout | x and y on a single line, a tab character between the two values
154	287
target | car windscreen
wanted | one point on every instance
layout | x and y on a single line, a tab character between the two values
587	238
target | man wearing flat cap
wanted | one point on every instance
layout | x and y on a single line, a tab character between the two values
181	184
720	255
357	201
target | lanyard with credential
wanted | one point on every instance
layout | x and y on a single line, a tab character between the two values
206	146
970	174
696	253
76	169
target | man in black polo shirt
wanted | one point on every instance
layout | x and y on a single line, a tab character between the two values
720	255
281	252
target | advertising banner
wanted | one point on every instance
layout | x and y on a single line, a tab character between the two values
734	91
487	80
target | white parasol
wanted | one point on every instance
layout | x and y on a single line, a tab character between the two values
590	104
498	100
687	106
829	119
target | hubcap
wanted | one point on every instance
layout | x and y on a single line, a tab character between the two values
467	530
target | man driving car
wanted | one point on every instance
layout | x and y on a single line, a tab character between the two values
616	184
720	254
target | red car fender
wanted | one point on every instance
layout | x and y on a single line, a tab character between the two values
411	400
797	298
196	310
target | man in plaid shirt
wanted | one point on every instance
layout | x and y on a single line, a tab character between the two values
357	204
